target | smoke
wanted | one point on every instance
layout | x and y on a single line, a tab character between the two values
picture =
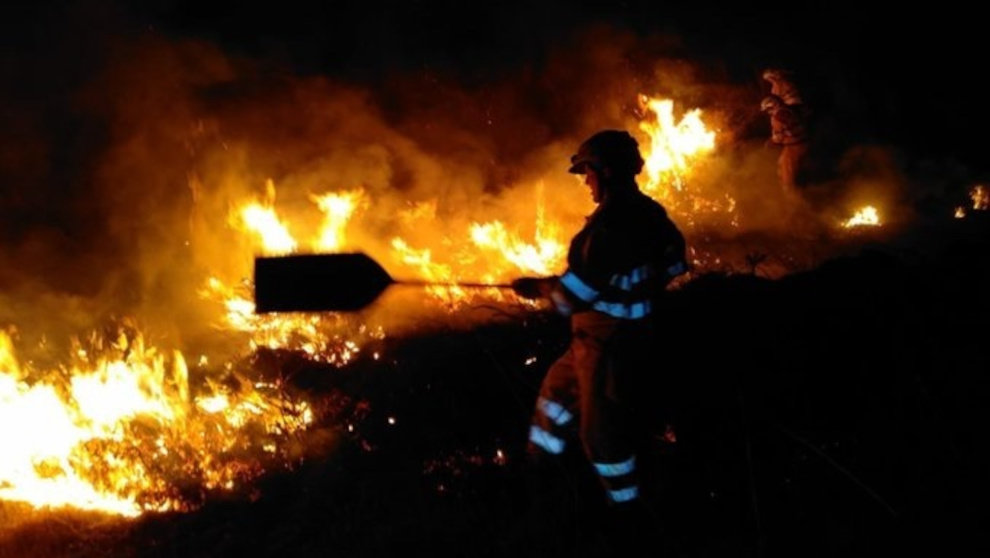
127	202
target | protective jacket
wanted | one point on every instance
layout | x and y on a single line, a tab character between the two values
623	258
789	131
618	265
787	126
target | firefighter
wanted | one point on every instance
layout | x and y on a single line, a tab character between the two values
782	85
787	130
618	266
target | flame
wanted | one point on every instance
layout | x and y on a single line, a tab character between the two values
326	338
981	197
542	257
865	217
488	251
495	253
981	200
265	223
422	260
117	429
539	258
673	144
338	209
673	150
122	429
261	219
125	427
330	338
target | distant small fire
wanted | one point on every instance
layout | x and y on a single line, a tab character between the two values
981	197
868	216
981	201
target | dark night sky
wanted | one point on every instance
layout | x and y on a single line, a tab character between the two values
908	82
912	69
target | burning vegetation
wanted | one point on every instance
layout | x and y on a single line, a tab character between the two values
118	428
129	428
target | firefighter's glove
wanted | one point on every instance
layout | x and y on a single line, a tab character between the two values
533	287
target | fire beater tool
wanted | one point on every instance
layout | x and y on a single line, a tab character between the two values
328	282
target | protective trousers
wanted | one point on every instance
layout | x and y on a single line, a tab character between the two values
790	165
582	391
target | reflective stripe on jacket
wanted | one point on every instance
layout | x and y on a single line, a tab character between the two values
623	258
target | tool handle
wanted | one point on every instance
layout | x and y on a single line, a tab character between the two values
467	285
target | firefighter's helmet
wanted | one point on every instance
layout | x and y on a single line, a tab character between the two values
612	149
777	74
